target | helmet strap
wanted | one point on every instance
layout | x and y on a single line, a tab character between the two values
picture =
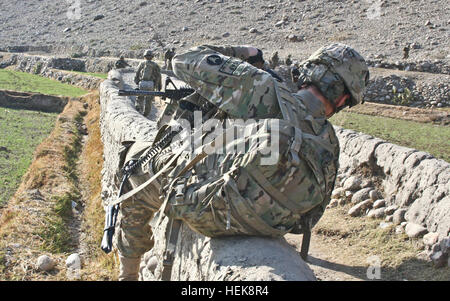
316	92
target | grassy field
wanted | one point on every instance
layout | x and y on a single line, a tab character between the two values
430	138
99	75
25	82
21	131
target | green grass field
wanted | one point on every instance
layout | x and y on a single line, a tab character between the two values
25	82
430	138
21	132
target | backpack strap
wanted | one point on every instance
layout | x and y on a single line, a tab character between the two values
169	255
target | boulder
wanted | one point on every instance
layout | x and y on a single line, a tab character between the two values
431	238
415	230
45	263
359	208
376	213
352	183
361	195
379	203
399	216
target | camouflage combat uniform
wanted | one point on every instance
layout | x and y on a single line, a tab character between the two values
239	90
147	71
121	63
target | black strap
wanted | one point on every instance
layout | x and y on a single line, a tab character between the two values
169	254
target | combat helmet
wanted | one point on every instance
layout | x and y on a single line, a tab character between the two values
148	53
345	62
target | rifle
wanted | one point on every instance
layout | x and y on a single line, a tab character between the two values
176	94
128	170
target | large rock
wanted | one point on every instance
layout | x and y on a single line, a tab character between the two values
399	216
352	183
360	208
361	195
415	230
45	263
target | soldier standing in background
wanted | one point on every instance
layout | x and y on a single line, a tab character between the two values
148	78
275	60
406	52
288	60
170	53
121	63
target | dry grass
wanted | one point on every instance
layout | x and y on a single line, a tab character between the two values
35	208
355	239
32	225
99	265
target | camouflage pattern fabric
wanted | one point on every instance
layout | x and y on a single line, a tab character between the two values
147	71
234	86
232	193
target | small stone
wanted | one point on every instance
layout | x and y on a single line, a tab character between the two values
361	195
424	255
373	195
226	35
98	17
399	216
45	263
152	263
445	245
379	203
337	193
67	29
430	238
415	230
399	230
279	23
439	259
333	203
388	218
342	202
74	261
253	30
359	208
348	195
352	183
376	213
390	210
428	23
384	225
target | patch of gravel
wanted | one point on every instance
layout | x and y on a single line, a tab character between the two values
378	29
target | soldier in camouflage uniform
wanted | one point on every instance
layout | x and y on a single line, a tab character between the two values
245	201
148	77
168	56
121	63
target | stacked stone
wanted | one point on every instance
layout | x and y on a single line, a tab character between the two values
437	66
413	197
398	90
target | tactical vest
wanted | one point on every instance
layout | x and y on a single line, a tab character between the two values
234	194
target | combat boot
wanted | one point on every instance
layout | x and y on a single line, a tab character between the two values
129	268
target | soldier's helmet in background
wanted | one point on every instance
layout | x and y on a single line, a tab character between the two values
346	62
148	54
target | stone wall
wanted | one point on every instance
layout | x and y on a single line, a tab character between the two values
197	257
407	187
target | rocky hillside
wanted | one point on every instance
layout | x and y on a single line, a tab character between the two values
379	29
